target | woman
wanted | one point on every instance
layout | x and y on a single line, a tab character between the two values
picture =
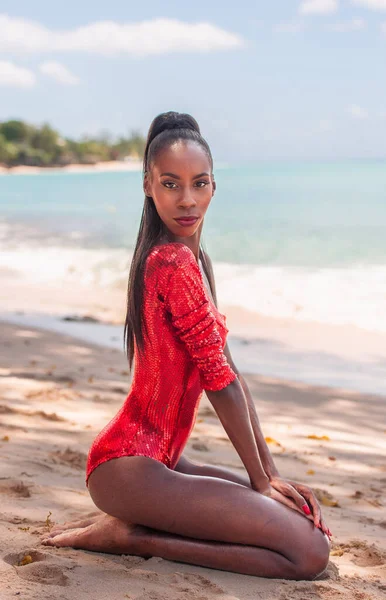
154	501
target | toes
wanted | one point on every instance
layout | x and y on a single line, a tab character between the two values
67	538
69	527
52	532
48	537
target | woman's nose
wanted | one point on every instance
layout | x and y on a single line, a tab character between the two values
187	199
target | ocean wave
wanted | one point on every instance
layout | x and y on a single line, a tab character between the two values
352	295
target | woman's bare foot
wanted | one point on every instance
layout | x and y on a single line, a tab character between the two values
88	519
104	534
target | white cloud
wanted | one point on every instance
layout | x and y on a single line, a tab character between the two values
371	4
156	36
13	76
357	112
290	27
352	25
58	72
318	7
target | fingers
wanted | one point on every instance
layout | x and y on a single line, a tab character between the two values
311	501
283	500
316	510
300	501
276	495
323	526
289	490
325	529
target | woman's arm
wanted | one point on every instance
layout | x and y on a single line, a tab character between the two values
231	407
265	455
302	494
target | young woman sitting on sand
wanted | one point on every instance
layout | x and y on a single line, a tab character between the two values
154	500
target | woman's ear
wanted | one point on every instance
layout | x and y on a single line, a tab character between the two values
213	187
146	184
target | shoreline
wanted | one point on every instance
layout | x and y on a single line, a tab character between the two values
306	353
101	167
342	356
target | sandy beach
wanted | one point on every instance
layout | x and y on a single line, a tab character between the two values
106	166
57	392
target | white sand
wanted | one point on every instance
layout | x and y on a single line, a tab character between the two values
112	165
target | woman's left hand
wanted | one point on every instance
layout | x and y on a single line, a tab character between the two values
304	498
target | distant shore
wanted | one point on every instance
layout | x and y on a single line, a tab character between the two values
111	165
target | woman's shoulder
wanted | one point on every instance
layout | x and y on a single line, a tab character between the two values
171	264
170	255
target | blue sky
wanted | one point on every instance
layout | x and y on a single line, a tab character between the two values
265	80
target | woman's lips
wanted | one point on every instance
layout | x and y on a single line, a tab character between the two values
186	221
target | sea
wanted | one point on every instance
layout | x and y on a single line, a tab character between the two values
299	240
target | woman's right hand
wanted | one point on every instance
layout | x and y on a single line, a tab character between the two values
270	492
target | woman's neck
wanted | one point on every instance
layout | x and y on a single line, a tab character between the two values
192	242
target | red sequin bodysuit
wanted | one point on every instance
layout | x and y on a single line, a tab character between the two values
183	356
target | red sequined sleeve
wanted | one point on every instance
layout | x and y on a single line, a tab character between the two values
195	323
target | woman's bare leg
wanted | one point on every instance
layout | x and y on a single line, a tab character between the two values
200	520
184	465
189	467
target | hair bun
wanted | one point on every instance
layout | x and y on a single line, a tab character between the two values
167	128
174	120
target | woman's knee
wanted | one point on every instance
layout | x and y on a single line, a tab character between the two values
313	557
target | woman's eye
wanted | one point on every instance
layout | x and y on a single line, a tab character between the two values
171	185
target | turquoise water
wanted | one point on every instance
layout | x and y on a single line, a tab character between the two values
308	214
300	240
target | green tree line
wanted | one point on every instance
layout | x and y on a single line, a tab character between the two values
25	144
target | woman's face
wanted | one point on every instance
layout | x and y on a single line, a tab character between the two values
181	185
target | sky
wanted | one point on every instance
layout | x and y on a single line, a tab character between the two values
289	79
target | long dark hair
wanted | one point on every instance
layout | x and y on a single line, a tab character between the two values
165	129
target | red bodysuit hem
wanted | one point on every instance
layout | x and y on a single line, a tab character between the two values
104	459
